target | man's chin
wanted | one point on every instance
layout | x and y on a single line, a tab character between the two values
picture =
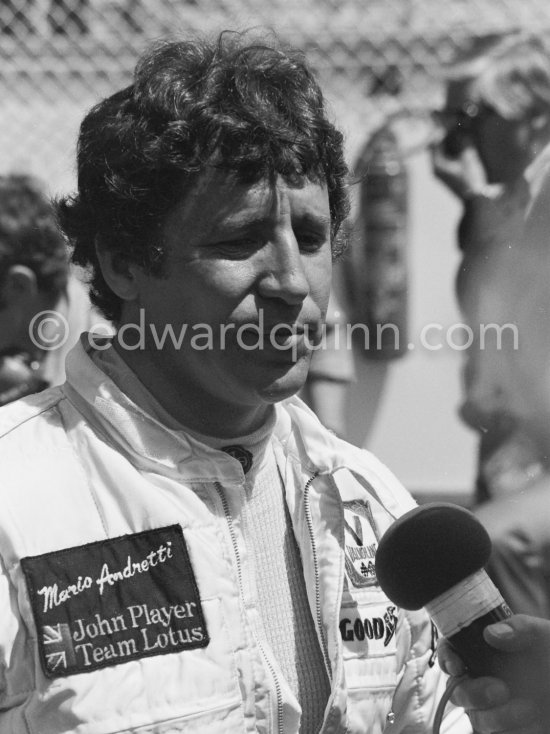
286	385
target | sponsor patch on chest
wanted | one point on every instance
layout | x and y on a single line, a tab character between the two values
372	629
360	543
114	600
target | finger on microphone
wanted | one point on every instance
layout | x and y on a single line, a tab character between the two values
518	633
449	662
481	693
518	717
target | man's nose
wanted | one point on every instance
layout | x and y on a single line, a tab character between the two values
283	272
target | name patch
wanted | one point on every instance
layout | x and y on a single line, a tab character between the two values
114	600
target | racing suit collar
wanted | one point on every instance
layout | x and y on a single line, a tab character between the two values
149	441
137	433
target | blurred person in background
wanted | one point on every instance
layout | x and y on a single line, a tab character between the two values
492	157
518	522
33	279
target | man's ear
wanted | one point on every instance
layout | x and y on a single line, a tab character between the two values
19	286
119	274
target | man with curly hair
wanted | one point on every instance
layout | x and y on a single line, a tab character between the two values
184	547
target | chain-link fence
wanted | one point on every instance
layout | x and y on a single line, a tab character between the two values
373	56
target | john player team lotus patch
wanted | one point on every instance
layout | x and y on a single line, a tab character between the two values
114	600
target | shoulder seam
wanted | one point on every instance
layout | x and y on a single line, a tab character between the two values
45	409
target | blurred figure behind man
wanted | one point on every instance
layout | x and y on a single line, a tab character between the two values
518	522
33	279
493	157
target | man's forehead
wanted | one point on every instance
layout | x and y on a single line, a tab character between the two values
219	196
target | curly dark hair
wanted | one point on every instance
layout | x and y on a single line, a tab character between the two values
29	234
251	107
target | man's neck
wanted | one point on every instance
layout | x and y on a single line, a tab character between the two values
192	409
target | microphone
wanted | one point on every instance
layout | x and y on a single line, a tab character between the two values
434	557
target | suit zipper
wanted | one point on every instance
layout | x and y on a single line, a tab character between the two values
229	520
318	613
278	693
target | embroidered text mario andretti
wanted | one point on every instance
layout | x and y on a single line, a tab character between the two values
114	600
54	597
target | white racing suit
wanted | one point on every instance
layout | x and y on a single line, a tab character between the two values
133	607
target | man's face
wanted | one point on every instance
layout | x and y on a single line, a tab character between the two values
502	144
486	309
242	260
529	389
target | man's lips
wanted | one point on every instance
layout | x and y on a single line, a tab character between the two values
282	329
281	333
281	336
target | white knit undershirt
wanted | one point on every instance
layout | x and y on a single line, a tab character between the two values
286	621
288	624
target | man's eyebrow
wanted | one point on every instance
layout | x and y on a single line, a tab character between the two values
243	219
238	221
314	220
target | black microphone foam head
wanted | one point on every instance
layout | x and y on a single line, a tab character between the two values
427	551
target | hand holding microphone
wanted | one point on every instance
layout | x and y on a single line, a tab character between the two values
434	557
